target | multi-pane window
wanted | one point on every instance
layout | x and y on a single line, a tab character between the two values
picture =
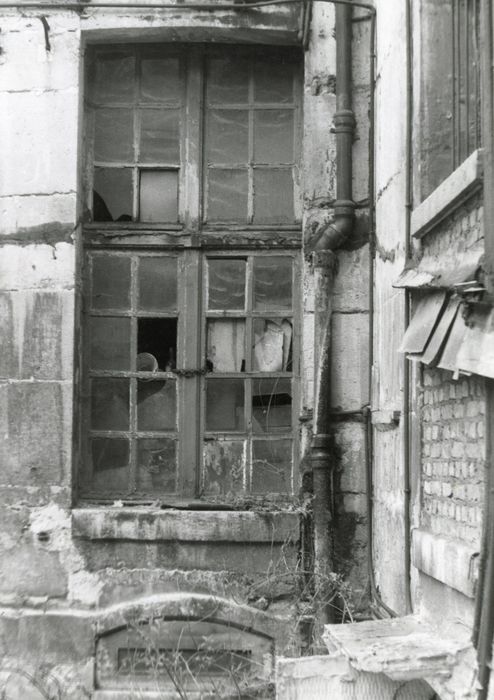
191	346
450	89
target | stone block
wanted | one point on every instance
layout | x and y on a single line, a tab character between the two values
38	218
29	570
45	124
25	63
350	356
37	266
40	340
351	284
35	424
350	442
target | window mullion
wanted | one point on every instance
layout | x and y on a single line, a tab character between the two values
193	140
190	359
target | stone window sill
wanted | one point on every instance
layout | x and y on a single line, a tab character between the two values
447	560
450	194
152	525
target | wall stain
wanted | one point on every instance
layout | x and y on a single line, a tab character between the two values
50	233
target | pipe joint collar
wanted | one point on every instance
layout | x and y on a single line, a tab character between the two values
344	208
344	121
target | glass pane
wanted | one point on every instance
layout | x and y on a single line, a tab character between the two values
110	343
224	466
271	405
156	340
156	404
227	195
110	461
275	84
109	404
160	79
228	137
272	345
160	136
273	136
113	77
114	135
112	196
110	282
225	404
226	284
157	465
157	284
228	80
226	345
273	283
273	196
158	199
271	466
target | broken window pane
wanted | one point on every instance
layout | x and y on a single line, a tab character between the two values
158	337
226	284
158	196
112	196
271	466
160	136
156	405
226	345
227	195
228	80
228	137
272	345
225	404
224	466
160	79
113	135
271	405
273	136
273	196
109	340
157	284
275	84
272	283
157	465
110	282
109	404
113	77
110	461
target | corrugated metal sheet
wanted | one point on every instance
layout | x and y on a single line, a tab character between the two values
440	334
428	275
453	344
422	323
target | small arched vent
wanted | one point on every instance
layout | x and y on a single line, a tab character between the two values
184	656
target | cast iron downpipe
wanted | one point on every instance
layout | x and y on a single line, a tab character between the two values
483	632
324	258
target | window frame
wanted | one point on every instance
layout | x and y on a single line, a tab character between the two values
194	240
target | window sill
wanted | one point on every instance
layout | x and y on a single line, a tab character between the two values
450	194
152	525
447	560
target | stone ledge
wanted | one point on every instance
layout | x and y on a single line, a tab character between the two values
151	525
450	194
403	648
448	560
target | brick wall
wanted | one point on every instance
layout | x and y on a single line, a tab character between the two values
453	454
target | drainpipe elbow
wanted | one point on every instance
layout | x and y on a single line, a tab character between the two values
334	235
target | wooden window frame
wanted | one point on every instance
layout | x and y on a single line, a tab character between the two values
191	240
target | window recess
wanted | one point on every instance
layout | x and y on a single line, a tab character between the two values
191	350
